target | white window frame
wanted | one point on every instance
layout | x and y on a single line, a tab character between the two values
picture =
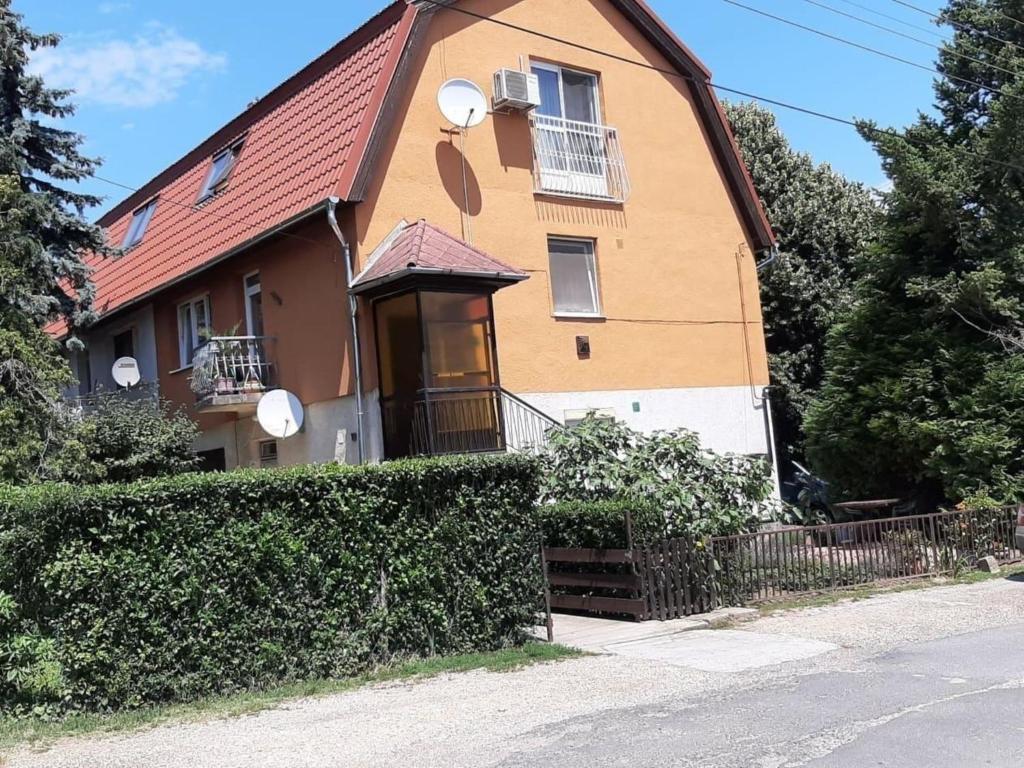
566	181
192	329
559	69
249	291
141	217
593	276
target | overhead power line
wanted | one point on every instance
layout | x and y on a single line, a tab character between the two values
897	19
205	211
836	119
958	25
719	87
877	52
906	36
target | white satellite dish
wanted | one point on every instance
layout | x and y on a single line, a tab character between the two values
125	372
279	412
462	102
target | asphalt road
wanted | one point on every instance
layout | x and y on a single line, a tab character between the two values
954	702
933	678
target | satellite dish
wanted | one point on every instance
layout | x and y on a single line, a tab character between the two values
462	102
125	372
279	412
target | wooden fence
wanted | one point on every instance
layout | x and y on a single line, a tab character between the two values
666	580
681	576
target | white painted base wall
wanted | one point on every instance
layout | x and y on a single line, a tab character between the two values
728	419
326	436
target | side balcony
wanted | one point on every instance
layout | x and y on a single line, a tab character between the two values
231	373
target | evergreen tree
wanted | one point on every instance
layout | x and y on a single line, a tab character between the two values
43	238
822	222
924	394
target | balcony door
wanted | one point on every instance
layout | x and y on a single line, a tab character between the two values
570	143
438	377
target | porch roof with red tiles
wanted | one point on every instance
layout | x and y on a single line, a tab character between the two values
421	249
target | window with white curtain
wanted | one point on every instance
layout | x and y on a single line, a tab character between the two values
573	273
193	322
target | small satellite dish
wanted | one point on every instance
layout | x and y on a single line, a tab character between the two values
125	372
279	412
462	102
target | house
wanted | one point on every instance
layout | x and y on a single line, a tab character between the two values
590	245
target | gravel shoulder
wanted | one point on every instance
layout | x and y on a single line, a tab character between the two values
481	718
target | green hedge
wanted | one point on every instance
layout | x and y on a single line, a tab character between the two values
598	524
117	596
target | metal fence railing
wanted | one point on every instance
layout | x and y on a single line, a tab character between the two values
578	159
780	562
231	365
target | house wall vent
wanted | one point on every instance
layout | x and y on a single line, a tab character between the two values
515	90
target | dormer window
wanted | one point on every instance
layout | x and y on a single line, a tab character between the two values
220	169
137	227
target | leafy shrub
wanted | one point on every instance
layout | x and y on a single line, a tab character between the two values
599	524
120	440
182	587
699	492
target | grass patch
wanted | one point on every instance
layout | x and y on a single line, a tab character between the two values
27	731
871	590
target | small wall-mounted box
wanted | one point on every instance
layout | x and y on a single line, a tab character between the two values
582	346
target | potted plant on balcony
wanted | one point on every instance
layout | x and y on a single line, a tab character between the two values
225	353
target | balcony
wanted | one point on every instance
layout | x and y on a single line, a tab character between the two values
231	373
84	405
575	159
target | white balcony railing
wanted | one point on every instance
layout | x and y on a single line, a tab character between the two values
231	365
577	159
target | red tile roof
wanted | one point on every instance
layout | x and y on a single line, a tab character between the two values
423	249
303	143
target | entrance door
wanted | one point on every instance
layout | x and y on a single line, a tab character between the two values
438	377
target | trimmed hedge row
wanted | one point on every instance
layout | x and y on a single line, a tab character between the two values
117	596
599	524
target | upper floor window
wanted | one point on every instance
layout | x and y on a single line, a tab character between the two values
193	325
253	304
139	222
574	153
220	169
573	275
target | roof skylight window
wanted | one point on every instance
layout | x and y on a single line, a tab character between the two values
220	169
137	227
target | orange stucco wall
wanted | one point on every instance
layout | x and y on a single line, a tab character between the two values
667	258
304	307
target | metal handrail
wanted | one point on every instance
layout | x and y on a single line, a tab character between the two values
229	365
578	159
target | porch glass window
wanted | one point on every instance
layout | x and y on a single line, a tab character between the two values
438	379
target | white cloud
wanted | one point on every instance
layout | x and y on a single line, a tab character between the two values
149	70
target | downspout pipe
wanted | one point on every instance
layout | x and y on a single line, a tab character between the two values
346	254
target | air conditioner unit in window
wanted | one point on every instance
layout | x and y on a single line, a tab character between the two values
515	90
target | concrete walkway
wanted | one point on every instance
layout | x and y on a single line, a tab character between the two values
690	642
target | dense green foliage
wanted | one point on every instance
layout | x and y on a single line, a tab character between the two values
924	395
823	223
698	492
42	239
119	439
599	524
113	596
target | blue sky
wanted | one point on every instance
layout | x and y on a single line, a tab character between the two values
155	78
